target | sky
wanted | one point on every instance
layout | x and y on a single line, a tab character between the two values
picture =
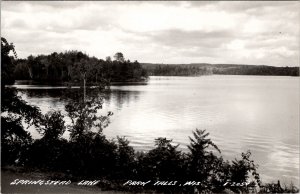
249	32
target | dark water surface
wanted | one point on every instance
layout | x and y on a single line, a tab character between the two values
260	113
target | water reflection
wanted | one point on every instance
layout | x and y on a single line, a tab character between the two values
120	98
41	93
53	98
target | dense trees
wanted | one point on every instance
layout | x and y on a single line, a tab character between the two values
255	70
176	70
224	69
71	66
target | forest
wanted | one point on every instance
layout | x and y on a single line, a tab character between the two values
70	66
88	153
198	69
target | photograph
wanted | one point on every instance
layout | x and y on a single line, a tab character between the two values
150	96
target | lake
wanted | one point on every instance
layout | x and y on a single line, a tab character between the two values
260	113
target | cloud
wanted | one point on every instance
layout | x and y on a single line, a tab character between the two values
160	31
179	38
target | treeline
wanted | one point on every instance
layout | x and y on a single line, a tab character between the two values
254	70
224	69
71	65
176	70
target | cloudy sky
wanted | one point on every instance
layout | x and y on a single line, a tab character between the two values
159	32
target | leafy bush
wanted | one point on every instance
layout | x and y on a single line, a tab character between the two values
93	155
53	126
201	159
126	160
164	162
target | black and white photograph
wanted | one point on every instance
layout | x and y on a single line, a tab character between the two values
150	96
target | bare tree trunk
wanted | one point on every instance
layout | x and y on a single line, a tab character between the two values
30	71
84	91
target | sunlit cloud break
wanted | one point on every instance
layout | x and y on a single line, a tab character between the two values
260	33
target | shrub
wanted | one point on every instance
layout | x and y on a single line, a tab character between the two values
164	162
126	160
201	159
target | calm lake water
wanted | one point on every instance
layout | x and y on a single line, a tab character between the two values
260	113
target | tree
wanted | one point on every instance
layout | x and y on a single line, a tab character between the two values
14	110
7	65
82	107
51	151
163	162
84	117
53	126
119	57
125	159
241	169
201	158
108	59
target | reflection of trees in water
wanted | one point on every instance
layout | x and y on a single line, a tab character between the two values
121	97
61	93
39	93
117	97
